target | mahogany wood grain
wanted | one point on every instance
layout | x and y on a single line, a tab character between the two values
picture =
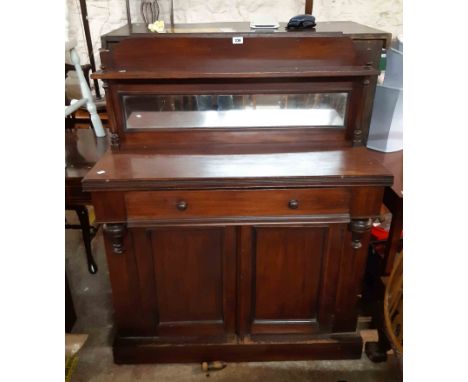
393	162
298	265
317	58
195	264
109	206
352	267
145	265
141	350
285	72
214	56
188	252
356	31
244	243
334	248
287	264
244	280
130	317
163	205
140	170
366	201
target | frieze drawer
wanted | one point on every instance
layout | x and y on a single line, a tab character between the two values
161	205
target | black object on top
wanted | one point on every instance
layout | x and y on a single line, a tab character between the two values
301	22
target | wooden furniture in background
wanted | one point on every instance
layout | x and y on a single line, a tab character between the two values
82	151
380	267
393	200
393	307
236	242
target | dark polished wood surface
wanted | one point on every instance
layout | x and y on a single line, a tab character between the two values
244	243
144	170
217	57
334	53
393	162
350	28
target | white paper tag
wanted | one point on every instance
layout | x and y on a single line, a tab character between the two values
238	40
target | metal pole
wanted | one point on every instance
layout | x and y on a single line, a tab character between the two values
129	16
89	44
172	15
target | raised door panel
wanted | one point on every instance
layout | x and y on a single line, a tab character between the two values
285	278
193	283
287	272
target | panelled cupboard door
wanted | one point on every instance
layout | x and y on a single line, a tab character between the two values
192	279
288	278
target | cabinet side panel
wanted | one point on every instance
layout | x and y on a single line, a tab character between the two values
109	206
366	201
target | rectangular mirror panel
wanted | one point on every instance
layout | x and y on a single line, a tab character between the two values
231	111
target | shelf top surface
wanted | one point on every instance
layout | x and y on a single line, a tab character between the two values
350	28
128	170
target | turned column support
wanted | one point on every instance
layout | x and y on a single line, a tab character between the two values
358	134
115	234
115	141
358	228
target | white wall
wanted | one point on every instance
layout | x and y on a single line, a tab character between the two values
107	15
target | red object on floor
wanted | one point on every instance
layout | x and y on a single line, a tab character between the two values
379	233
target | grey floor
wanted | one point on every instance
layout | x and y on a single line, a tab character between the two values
92	298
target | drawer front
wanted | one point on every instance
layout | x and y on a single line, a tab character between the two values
160	205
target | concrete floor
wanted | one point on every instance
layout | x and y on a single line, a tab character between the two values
92	299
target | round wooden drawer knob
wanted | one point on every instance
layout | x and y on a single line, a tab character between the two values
182	205
293	204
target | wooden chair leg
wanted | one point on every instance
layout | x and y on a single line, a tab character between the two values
82	213
377	351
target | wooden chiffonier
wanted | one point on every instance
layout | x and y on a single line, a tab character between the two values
238	195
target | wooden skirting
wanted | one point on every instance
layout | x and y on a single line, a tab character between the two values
143	350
